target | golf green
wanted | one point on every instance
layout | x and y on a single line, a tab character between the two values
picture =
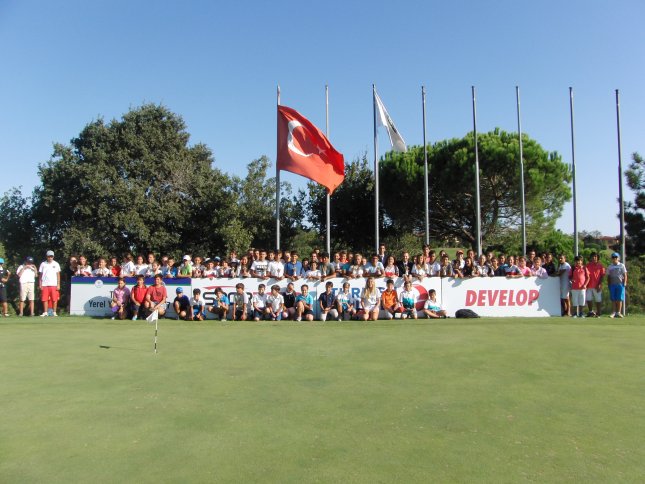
494	400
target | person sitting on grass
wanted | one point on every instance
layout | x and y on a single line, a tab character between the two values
156	297
390	300
240	303
326	302
345	304
289	298
220	304
409	297
181	305
197	306
120	300
275	309
138	298
432	308
304	304
370	300
259	302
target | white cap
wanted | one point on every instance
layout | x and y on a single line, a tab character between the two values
50	252
186	257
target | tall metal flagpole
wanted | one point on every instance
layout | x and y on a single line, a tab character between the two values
623	253
477	200
519	135
425	166
328	196
573	172
277	185
376	215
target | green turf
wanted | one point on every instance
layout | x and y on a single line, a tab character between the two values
494	400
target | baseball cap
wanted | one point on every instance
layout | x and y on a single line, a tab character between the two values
1	260
615	254
217	259
29	259
50	252
186	257
179	290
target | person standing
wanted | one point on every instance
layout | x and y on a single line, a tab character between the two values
49	284
617	280
594	288
4	278
27	273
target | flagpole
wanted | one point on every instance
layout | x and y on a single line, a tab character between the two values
573	171
519	136
376	216
277	184
623	253
328	196
477	200
425	166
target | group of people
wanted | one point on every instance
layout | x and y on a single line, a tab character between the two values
578	286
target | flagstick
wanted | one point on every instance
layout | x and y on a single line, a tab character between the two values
573	171
156	330
328	196
519	135
277	185
425	165
623	253
477	200
376	215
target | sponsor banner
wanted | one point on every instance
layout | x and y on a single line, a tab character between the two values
486	296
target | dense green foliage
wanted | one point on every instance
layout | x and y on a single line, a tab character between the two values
635	211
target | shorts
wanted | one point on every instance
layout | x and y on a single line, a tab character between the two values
258	313
577	297
49	293
27	291
564	291
594	295
410	313
616	292
3	294
307	312
371	307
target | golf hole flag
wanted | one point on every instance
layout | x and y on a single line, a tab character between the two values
304	150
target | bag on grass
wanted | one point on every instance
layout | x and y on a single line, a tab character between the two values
466	313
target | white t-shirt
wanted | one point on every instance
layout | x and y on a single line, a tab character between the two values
28	274
260	267
140	269
275	302
275	268
409	298
259	301
127	268
48	273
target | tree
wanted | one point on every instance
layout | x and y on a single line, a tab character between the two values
451	183
133	184
635	211
352	207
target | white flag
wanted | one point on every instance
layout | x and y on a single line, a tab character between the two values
154	316
383	119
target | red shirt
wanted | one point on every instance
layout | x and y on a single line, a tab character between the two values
596	273
116	271
579	277
139	294
157	293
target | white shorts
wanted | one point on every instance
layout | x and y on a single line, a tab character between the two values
27	291
594	295
577	297
564	291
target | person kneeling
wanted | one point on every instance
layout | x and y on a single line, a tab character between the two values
197	306
181	305
326	303
156	297
304	304
220	304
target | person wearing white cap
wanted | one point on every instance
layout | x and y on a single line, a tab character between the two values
4	278
49	284
617	281
27	275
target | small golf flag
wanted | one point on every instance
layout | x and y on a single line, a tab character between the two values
384	119
154	316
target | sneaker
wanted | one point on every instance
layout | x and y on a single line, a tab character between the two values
223	320
54	314
20	315
44	315
620	315
112	318
6	315
612	315
134	318
340	319
298	319
591	314
574	316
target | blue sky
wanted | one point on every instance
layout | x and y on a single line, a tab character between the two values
217	64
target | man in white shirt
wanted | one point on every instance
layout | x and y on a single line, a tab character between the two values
27	273
49	285
275	267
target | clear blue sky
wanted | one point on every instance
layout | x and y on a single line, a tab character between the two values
217	64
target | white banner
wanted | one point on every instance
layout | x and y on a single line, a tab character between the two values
493	296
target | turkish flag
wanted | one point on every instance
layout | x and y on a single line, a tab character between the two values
304	150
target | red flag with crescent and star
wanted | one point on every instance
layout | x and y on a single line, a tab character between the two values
304	150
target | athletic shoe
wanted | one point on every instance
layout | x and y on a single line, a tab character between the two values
112	318
134	318
591	314
223	320
340	319
620	315
20	315
298	319
54	314
612	315
6	315
574	316
44	315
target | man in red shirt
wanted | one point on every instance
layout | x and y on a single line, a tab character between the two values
579	281
156	296
594	287
138	297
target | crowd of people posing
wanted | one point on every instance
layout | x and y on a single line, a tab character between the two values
579	285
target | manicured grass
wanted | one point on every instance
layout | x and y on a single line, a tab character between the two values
495	400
